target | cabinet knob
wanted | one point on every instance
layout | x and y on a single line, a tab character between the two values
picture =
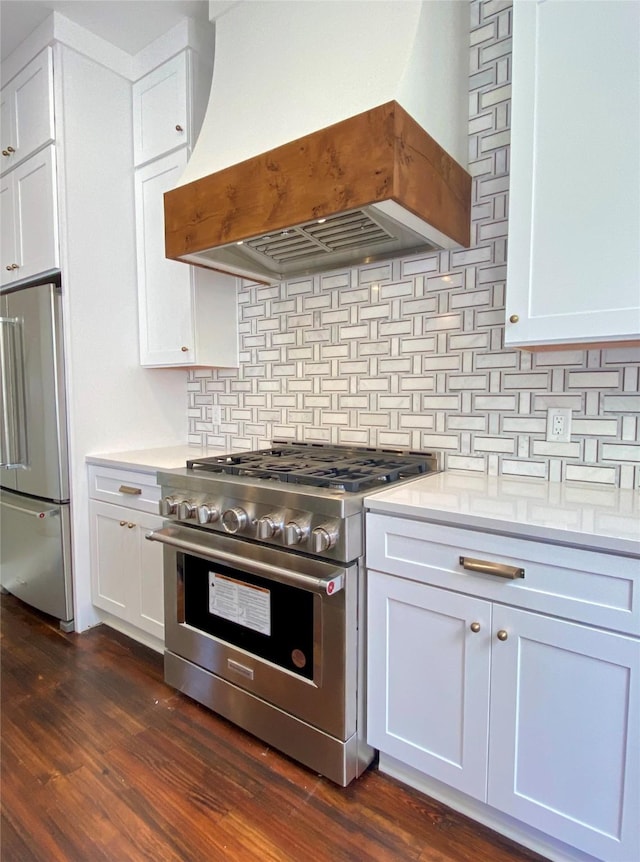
11	266
122	523
184	349
502	635
514	318
179	128
475	627
6	153
10	150
130	526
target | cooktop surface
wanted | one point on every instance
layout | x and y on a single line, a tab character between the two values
347	468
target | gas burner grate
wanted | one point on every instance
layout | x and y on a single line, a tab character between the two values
341	468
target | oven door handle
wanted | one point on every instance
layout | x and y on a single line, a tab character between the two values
329	586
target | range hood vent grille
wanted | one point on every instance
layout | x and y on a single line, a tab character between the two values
347	231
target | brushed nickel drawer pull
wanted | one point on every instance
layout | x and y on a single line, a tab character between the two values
127	489
500	570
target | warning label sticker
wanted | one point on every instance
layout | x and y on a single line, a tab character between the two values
240	602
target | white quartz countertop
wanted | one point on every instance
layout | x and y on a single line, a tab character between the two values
151	460
586	516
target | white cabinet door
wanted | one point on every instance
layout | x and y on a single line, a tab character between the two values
8	252
161	110
573	270
6	130
164	286
565	716
428	679
30	218
112	562
27	111
187	316
126	569
36	214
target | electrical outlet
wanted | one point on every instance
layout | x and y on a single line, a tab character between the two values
559	425
216	414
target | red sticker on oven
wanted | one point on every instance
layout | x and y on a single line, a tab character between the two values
335	585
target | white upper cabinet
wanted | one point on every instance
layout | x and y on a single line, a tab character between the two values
162	114
26	116
573	272
28	198
187	315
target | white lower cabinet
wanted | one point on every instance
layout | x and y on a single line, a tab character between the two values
126	569
564	731
534	715
430	712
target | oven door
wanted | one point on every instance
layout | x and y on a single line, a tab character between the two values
274	623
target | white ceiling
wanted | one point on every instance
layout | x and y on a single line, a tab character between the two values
128	24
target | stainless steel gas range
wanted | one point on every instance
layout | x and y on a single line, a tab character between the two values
265	593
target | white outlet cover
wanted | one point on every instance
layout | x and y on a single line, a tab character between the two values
559	425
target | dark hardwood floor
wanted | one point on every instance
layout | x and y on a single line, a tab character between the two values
102	761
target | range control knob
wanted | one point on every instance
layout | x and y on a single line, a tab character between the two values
293	533
322	539
207	514
186	510
268	527
234	520
168	506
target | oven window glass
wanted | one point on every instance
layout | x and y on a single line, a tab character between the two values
271	620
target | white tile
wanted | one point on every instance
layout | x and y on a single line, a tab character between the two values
447	362
494	444
466	382
593	379
494	402
579	473
535	469
419	421
621	404
471	298
559	450
457	462
620	452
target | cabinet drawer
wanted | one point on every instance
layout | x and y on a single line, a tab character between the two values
124	487
586	586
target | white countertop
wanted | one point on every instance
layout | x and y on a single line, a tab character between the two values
578	514
584	515
152	460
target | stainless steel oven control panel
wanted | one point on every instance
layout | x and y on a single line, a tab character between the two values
297	529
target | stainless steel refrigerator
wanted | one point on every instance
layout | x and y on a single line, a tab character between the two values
35	525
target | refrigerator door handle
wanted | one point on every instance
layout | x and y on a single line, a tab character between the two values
34	513
13	437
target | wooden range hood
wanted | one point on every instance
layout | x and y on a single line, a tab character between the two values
371	187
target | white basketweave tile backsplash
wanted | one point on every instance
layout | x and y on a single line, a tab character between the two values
409	353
